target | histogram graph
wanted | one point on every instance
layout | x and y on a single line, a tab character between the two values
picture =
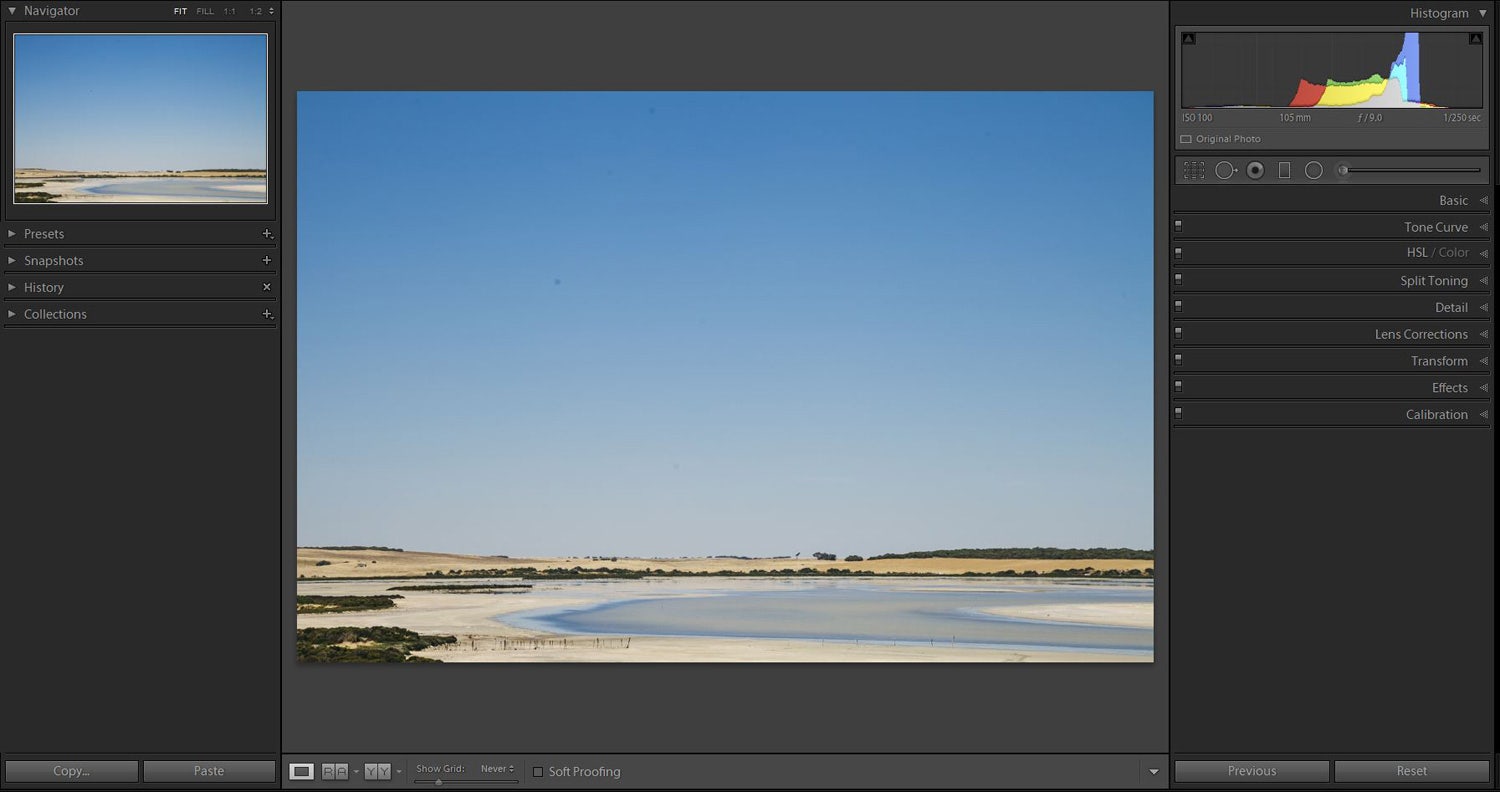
1349	69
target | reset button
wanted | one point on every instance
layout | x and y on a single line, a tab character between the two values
1413	772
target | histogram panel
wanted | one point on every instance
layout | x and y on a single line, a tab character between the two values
1333	69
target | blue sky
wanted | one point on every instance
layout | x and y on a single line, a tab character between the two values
140	102
735	323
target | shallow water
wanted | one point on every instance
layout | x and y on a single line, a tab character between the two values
232	189
946	611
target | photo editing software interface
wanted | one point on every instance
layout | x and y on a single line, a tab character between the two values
748	395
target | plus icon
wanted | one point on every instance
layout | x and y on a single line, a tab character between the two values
267	234
266	261
267	314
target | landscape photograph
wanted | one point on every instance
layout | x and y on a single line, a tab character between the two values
140	118
724	377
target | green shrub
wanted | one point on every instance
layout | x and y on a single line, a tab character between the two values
320	603
373	645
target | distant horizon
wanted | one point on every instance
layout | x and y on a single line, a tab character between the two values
650	324
137	170
22	172
141	101
637	556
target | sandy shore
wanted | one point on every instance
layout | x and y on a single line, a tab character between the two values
77	191
74	186
651	649
384	563
1108	614
484	638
